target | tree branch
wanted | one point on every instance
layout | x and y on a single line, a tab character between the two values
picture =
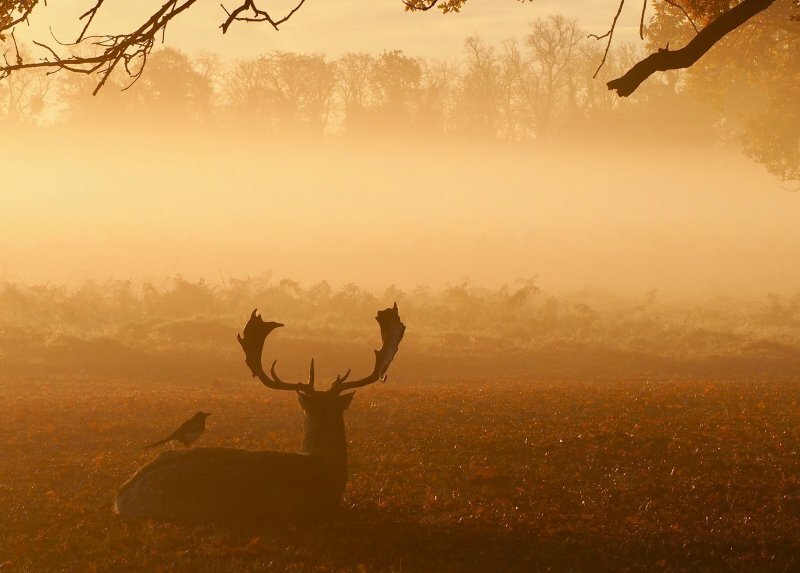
258	15
129	49
609	35
664	59
641	20
89	15
23	17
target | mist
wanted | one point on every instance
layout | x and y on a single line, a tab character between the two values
499	289
690	222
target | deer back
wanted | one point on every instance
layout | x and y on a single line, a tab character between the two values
226	482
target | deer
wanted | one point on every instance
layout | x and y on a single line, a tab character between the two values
217	482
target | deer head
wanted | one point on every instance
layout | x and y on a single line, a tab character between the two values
324	425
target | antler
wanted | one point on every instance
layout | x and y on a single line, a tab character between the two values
255	334
392	330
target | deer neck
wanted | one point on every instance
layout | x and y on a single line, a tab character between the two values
324	436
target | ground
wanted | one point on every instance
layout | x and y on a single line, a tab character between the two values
485	475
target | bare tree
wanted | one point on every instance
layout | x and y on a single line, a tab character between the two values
173	90
481	94
291	92
352	86
521	83
23	95
436	94
210	482
589	95
395	87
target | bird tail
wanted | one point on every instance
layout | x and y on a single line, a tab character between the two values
158	443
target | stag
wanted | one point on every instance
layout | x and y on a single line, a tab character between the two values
226	482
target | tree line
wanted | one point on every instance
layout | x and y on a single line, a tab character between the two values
513	91
528	89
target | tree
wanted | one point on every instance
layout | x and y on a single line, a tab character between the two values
395	85
130	50
481	95
554	41
22	96
173	90
285	91
353	88
719	19
768	77
436	96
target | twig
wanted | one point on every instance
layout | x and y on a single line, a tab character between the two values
259	15
419	5
685	13
132	48
16	47
641	21
609	35
91	13
124	48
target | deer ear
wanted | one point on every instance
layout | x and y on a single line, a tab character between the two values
346	399
303	399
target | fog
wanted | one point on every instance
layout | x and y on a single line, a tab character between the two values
690	222
572	318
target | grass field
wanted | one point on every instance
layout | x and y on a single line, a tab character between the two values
499	475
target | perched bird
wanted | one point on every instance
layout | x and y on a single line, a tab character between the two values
187	433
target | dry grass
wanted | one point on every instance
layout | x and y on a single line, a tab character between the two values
499	476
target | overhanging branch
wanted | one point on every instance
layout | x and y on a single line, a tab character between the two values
129	49
248	11
665	59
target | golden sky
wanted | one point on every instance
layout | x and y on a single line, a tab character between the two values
335	27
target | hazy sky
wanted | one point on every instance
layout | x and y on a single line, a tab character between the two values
336	26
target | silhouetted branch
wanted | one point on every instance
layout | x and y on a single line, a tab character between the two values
446	6
665	59
420	5
132	48
89	14
609	35
129	49
258	15
641	20
22	18
16	48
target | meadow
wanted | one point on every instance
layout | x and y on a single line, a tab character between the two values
503	475
672	446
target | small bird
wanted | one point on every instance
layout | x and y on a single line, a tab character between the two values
187	433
